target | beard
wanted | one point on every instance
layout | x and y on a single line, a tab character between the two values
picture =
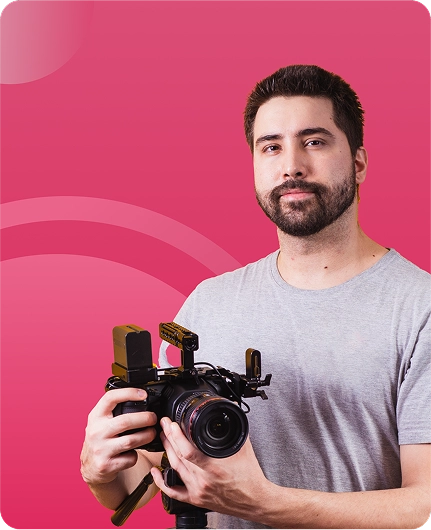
309	216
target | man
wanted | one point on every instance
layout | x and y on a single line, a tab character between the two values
342	323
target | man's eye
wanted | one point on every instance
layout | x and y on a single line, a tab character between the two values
270	148
314	143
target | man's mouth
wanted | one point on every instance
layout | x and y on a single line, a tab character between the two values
296	194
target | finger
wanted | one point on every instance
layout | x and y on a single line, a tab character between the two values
180	466
183	449
173	458
110	399
100	470
178	493
129	421
172	431
103	463
169	443
120	461
127	442
105	452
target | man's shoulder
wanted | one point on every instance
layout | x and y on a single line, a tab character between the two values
401	267
216	296
250	273
402	280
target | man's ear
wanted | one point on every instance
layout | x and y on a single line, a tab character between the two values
361	164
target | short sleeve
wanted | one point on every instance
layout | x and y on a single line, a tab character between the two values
414	398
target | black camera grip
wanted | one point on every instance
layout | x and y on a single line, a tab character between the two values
129	407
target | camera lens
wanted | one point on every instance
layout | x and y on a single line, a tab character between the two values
219	427
214	424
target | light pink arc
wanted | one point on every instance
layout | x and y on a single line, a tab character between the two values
124	215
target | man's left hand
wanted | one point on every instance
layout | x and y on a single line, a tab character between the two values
232	485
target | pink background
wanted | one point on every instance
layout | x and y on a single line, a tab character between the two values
126	180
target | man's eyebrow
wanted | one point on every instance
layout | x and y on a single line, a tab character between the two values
268	138
314	130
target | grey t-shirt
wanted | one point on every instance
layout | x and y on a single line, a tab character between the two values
350	364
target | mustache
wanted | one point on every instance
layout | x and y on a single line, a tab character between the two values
302	185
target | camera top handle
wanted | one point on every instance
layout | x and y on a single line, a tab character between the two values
183	339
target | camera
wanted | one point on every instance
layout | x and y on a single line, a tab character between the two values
206	401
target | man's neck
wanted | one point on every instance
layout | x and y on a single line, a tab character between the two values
334	255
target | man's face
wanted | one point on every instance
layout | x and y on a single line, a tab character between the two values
305	176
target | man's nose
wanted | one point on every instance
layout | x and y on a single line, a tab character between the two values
294	165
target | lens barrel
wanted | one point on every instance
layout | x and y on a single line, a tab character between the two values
214	424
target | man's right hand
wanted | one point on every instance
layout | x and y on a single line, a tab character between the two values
104	453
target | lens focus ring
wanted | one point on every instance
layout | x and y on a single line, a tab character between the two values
214	424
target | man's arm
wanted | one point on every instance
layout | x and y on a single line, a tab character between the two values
110	464
237	486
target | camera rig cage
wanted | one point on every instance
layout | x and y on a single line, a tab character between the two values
133	367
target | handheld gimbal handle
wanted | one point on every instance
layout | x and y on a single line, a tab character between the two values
186	515
126	508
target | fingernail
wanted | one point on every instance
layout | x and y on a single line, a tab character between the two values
165	424
141	393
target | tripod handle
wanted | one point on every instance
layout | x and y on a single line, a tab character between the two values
126	508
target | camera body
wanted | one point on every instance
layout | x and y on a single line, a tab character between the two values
205	401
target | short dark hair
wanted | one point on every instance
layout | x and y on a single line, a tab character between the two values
310	80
